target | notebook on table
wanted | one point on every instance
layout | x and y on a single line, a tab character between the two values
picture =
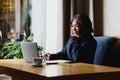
29	50
57	61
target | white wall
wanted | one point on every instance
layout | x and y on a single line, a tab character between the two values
111	17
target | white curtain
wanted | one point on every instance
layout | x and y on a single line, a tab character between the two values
54	31
47	24
17	16
38	15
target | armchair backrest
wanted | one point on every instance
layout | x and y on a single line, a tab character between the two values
104	44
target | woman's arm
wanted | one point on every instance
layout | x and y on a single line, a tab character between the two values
61	54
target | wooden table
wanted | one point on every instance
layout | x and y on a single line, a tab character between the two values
20	70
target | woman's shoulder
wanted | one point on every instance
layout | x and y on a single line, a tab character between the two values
89	38
71	39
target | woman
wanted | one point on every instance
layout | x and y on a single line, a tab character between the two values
81	45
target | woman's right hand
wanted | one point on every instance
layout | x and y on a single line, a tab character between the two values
46	56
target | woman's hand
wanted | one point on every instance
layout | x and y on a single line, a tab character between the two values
46	56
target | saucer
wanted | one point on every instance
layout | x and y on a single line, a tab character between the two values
36	65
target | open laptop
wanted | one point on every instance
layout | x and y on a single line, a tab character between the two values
29	50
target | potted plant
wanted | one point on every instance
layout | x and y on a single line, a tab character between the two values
12	50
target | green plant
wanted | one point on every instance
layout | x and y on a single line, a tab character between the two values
12	50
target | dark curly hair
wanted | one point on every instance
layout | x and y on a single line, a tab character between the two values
85	24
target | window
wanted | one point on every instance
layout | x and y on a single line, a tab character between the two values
13	15
43	17
7	16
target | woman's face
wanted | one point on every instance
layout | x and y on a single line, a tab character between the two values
75	28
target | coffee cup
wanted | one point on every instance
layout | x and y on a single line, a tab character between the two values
37	61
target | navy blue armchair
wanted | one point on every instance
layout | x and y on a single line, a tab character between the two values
104	53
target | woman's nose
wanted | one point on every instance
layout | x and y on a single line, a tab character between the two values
74	27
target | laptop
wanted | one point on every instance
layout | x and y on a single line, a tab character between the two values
29	50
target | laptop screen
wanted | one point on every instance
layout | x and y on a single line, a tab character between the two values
29	50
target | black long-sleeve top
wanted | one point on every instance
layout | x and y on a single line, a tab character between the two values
78	50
